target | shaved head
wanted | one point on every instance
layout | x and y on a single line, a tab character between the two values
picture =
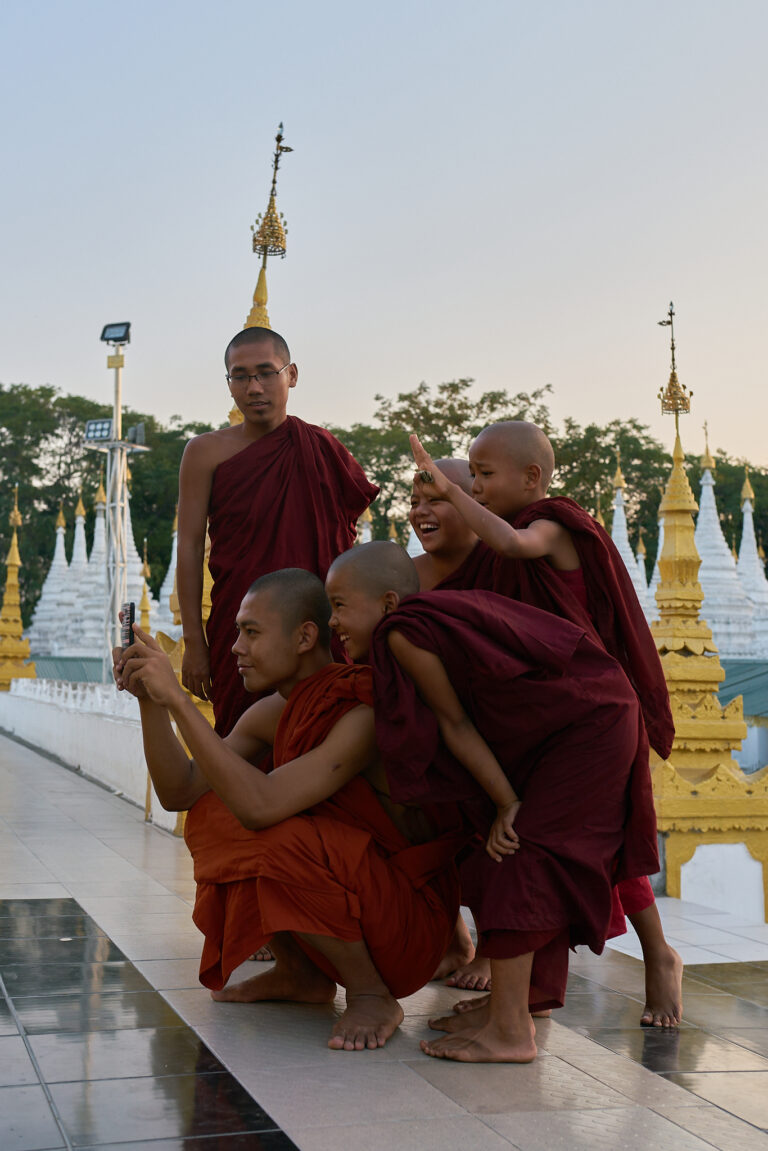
298	597
457	471
522	442
378	567
257	336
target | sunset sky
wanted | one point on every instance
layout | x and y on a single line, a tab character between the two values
508	191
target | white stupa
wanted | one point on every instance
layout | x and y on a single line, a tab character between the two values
656	575
164	618
53	616
751	571
135	573
93	591
726	607
364	529
620	537
642	576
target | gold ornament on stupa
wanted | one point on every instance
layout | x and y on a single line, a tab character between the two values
747	491
675	398
640	543
14	649
618	479
707	460
269	234
701	794
599	511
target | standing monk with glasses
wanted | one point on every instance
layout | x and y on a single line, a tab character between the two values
274	492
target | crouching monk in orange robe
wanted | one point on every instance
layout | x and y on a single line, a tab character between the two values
311	856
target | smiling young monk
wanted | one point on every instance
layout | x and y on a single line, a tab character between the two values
549	552
521	718
311	857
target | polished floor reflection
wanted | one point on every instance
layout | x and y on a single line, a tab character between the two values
107	1039
92	1056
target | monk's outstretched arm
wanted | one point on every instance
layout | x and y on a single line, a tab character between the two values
542	538
177	780
256	799
460	735
195	477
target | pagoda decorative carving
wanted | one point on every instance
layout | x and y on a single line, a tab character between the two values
14	650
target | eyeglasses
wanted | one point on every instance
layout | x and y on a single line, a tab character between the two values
242	379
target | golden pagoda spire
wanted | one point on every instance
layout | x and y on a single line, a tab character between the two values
101	495
618	479
707	460
146	571
747	492
392	531
760	548
60	521
269	234
675	398
14	649
80	509
599	511
175	527
640	543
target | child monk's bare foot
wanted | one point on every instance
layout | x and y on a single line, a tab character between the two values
466	1021
472	976
299	982
263	955
471	1004
488	1044
663	989
368	1022
460	951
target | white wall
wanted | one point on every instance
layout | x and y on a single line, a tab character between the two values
725	876
89	726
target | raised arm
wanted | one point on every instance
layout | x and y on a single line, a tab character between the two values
544	538
460	736
256	799
195	479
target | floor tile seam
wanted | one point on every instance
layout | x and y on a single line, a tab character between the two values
37	1069
707	1104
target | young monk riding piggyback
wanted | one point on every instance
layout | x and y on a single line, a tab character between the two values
518	717
491	525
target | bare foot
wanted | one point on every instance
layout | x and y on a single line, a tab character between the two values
368	1022
300	984
471	1004
460	951
263	955
472	976
465	1021
663	990
541	1014
486	1045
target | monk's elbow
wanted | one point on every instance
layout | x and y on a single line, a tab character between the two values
256	820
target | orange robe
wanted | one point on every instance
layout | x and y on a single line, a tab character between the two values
341	869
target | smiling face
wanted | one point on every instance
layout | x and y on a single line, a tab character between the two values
267	652
354	612
439	527
263	402
500	482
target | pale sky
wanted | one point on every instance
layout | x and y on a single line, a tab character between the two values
509	191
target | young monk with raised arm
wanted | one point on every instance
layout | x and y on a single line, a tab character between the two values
550	553
312	857
522	718
274	491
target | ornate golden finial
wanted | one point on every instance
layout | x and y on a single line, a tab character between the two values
393	531
640	543
675	398
707	460
15	517
599	511
144	607
101	495
269	234
618	479
60	521
747	492
80	509
146	571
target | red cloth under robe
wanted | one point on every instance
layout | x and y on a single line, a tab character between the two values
291	499
341	869
564	722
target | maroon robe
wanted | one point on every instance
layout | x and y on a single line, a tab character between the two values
564	723
290	499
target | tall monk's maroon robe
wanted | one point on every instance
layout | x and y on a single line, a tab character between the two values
564	723
290	499
341	869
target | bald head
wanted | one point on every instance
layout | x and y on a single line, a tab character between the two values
376	568
457	471
522	442
298	597
258	336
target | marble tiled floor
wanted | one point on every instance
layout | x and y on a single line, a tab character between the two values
108	1041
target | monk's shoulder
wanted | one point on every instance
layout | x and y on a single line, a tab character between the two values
210	449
